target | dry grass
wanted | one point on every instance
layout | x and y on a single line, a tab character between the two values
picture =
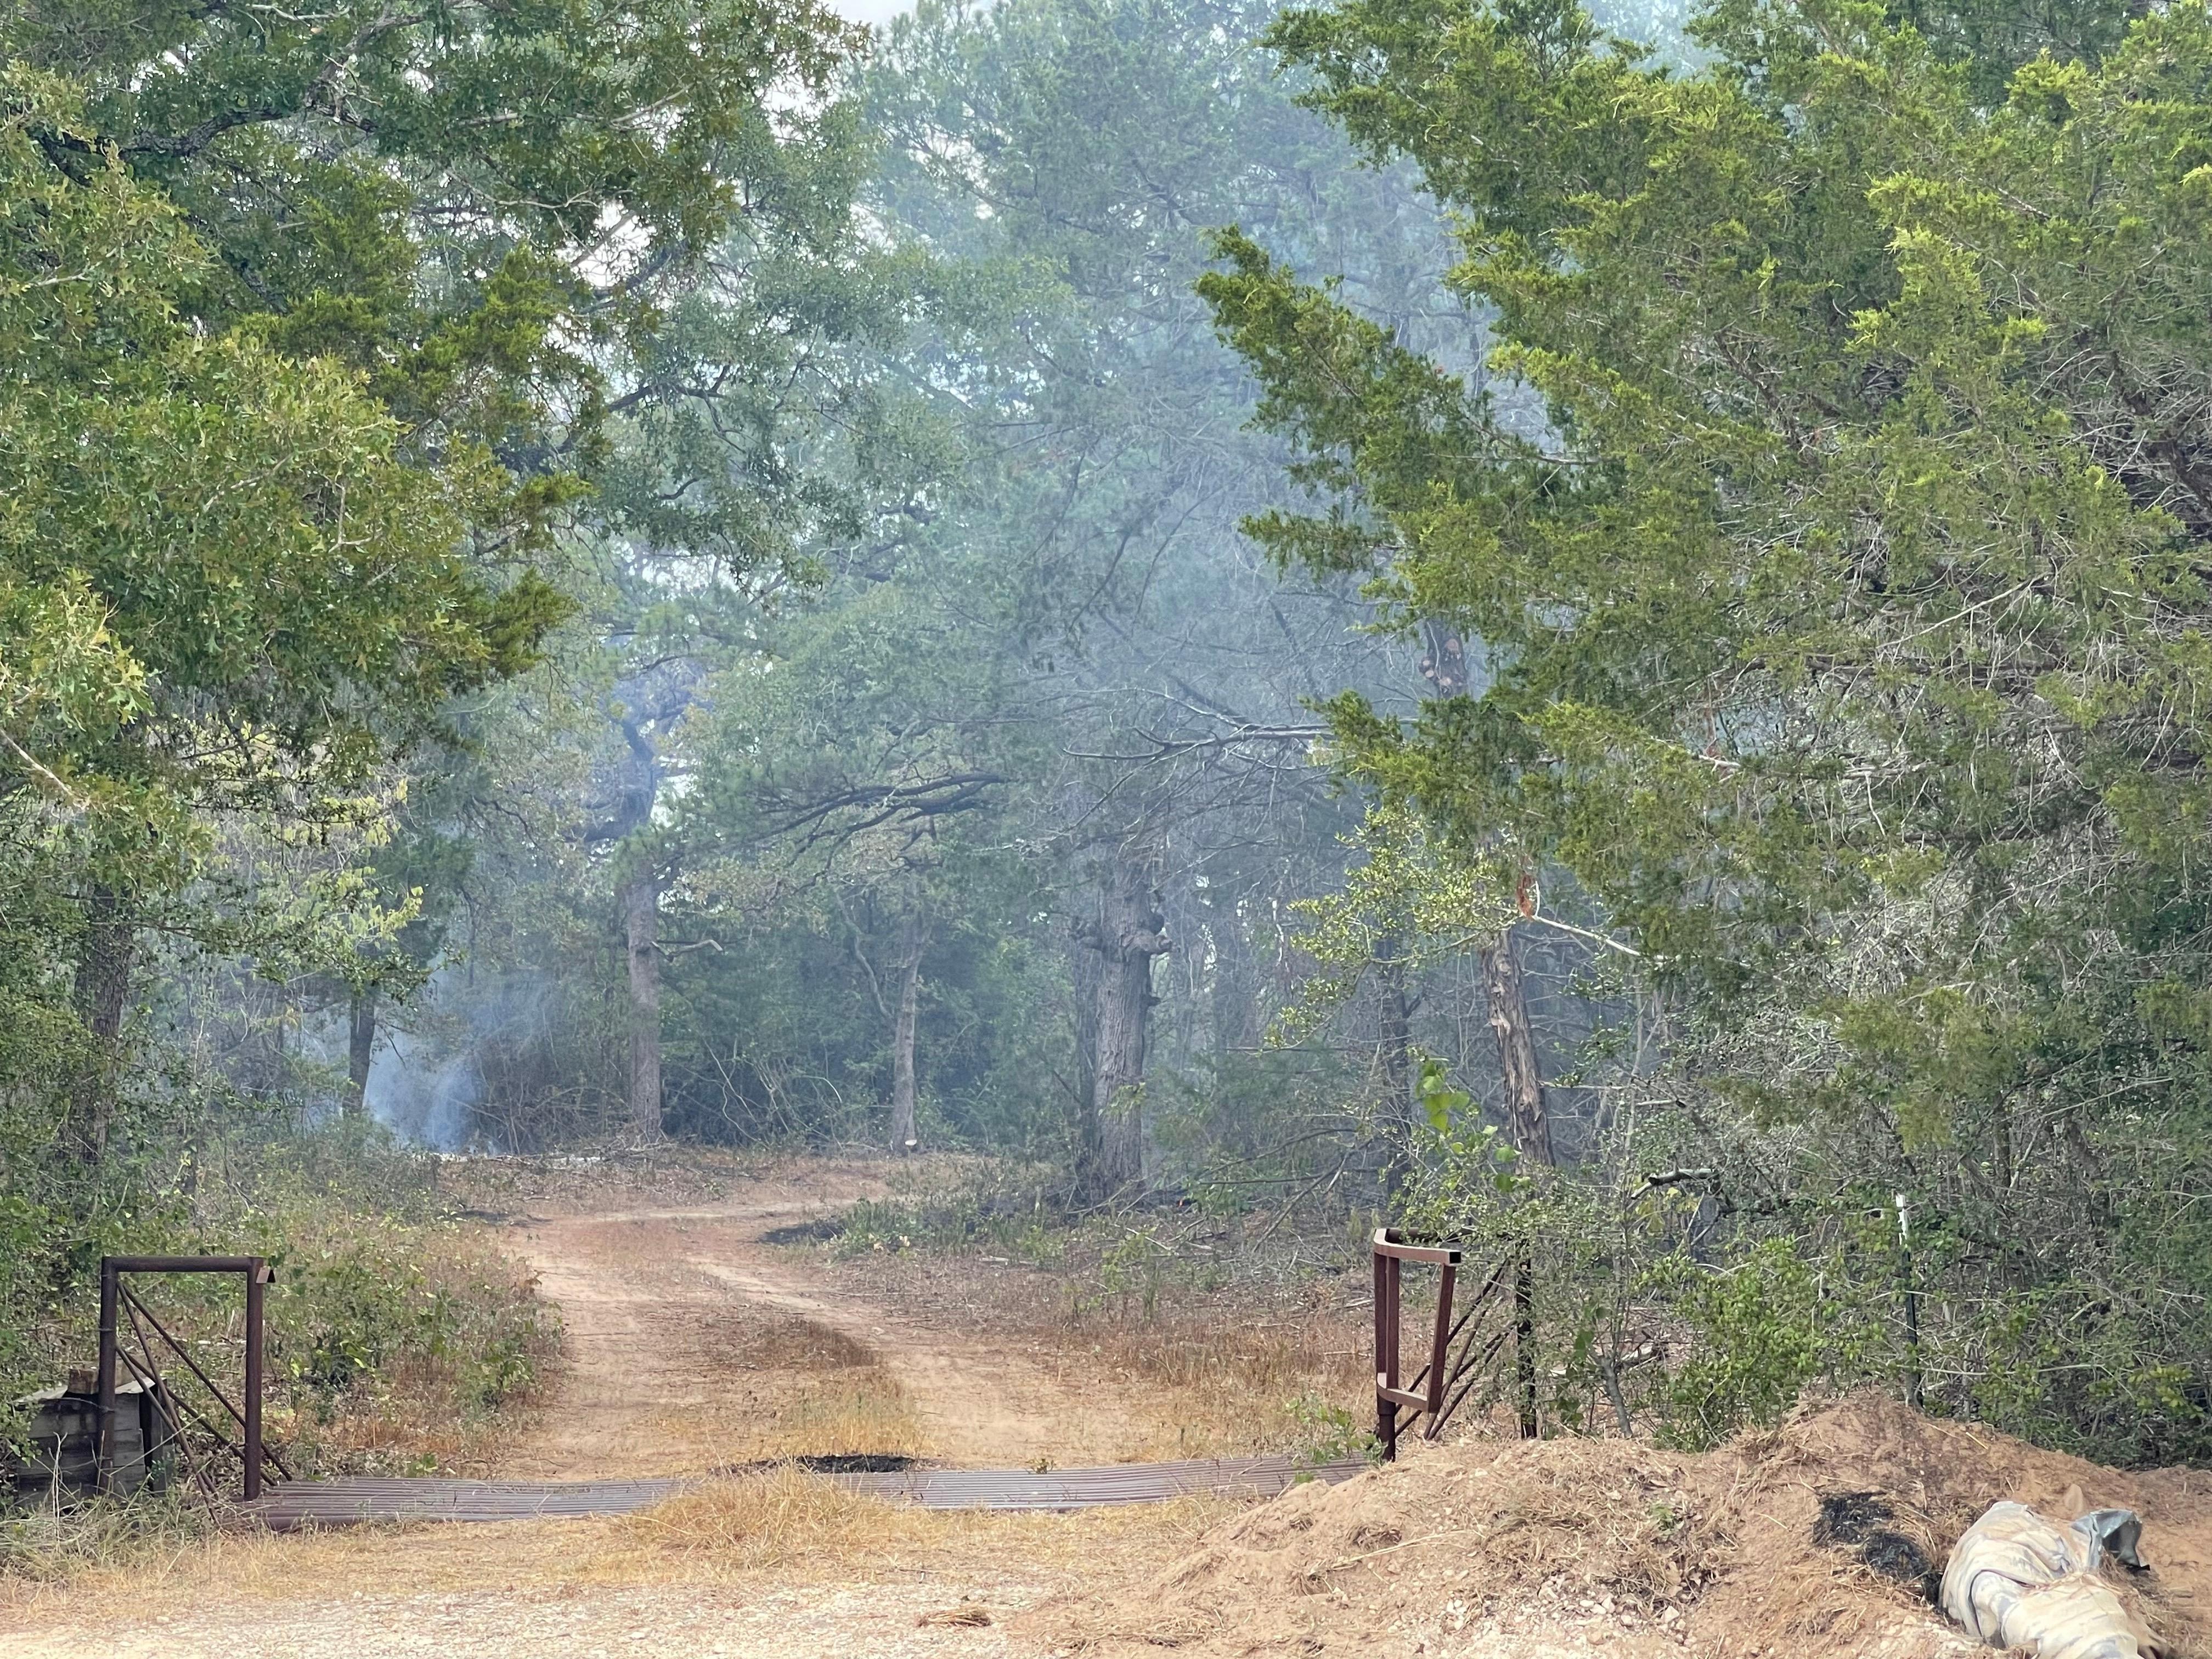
791	1343
794	1388
1242	1368
54	1547
802	1527
673	1175
612	1179
1224	1385
771	1519
861	1410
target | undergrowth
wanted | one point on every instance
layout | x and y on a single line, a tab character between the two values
58	1541
960	1222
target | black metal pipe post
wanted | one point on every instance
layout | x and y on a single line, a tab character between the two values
1524	1340
103	1453
256	1277
1385	1351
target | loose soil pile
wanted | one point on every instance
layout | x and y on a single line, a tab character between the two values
1816	1539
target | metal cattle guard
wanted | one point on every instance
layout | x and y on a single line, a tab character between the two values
115	1297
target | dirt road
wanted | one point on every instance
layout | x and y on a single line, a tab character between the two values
691	1345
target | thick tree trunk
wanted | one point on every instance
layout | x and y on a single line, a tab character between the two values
640	903
1126	938
904	1137
102	994
1526	1115
360	1051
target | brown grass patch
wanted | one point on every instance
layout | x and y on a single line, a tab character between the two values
790	1524
968	1615
755	1523
803	1345
1224	1385
862	1409
1237	1368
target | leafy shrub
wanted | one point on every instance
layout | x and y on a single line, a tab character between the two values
394	1336
1329	1433
1757	1346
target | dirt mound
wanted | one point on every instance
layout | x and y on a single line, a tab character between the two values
1818	1538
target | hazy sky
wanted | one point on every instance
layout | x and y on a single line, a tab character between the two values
870	11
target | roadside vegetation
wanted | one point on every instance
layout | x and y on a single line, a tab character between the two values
399	1341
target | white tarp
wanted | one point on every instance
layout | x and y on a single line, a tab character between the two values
2017	1580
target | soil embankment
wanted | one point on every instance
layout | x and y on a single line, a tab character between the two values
1814	1541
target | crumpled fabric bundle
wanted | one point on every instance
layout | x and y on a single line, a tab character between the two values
2017	1580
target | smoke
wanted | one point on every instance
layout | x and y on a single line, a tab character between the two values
427	1078
423	1094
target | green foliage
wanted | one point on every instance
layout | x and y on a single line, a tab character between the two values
237	590
1842	601
358	1301
1405	903
1328	1433
489	213
1756	1324
1469	1164
381	1308
359	317
1028	477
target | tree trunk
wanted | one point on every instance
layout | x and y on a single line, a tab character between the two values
1531	1128
903	1137
640	901
1525	1113
1127	937
102	992
1085	966
360	1051
1396	1019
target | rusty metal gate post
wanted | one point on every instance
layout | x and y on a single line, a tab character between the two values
103	1451
1391	1254
1386	1350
